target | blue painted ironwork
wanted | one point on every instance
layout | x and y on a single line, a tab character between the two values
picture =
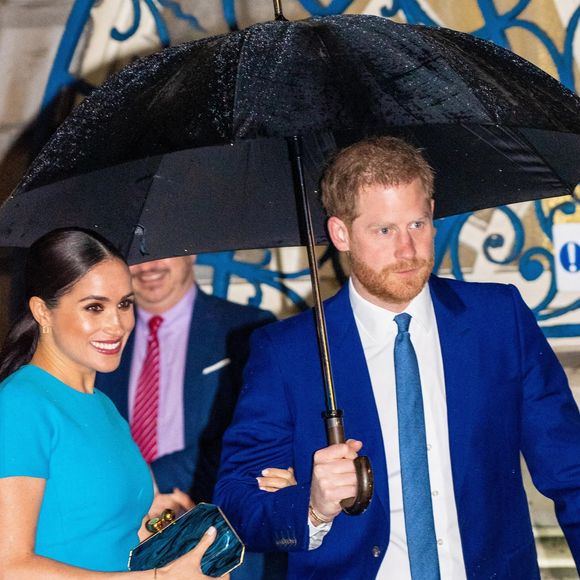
229	10
532	263
411	10
225	266
60	76
161	26
316	8
116	34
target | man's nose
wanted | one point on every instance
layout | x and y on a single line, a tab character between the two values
405	248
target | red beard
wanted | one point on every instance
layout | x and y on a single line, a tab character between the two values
387	286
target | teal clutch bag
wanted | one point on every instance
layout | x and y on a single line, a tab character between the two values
183	534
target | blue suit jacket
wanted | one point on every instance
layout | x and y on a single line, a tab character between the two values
506	393
219	329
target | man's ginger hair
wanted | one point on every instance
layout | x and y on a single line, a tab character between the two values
386	161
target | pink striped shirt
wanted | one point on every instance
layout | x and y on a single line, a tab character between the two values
173	335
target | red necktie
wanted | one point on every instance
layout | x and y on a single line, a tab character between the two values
146	410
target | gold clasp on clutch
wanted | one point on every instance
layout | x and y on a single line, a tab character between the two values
155	525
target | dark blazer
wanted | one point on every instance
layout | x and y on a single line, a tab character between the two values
506	392
219	330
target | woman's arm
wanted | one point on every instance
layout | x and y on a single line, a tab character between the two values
20	501
274	479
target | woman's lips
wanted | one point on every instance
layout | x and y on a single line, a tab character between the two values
110	347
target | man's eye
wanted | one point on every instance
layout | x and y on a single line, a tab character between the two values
94	307
417	225
384	231
126	304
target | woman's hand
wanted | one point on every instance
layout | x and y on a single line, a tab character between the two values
188	567
275	479
178	501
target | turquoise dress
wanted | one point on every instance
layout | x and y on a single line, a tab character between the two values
98	488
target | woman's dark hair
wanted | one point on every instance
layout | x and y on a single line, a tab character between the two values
55	262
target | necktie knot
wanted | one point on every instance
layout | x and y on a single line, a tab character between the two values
154	324
403	321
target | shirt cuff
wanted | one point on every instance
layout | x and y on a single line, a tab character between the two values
316	534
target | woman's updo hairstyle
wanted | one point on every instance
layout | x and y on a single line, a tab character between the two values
55	262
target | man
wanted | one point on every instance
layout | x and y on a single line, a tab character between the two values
203	345
443	383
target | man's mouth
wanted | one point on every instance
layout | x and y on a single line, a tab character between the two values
151	276
406	268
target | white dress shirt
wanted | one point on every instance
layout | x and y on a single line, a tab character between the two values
378	330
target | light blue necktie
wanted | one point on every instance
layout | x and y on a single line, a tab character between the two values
419	525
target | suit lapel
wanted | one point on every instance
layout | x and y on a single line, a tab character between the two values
199	352
456	339
353	389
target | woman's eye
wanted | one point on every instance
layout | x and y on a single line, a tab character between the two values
94	307
126	304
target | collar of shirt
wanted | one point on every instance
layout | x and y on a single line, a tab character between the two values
378	323
172	318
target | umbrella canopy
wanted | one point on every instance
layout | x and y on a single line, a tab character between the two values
186	151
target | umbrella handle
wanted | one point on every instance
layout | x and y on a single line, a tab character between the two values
353	506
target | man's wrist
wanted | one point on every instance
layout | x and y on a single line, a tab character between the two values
317	518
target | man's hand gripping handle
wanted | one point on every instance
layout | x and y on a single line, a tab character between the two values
356	505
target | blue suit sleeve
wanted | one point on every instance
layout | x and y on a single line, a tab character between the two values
550	425
260	436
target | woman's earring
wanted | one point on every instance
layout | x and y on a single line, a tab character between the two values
45	330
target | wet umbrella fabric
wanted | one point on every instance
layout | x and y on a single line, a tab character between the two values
188	146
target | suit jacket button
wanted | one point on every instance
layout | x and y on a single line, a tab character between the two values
376	551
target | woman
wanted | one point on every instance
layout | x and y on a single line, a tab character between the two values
73	485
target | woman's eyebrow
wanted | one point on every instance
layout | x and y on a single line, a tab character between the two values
95	297
105	298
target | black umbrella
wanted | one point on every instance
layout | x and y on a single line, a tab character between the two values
495	128
200	147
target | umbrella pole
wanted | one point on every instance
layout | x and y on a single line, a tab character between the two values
278	10
333	417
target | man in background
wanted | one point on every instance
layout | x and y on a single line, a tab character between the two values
179	376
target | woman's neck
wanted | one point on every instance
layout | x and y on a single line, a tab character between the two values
80	379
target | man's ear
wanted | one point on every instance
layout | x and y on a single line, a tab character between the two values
338	232
40	311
